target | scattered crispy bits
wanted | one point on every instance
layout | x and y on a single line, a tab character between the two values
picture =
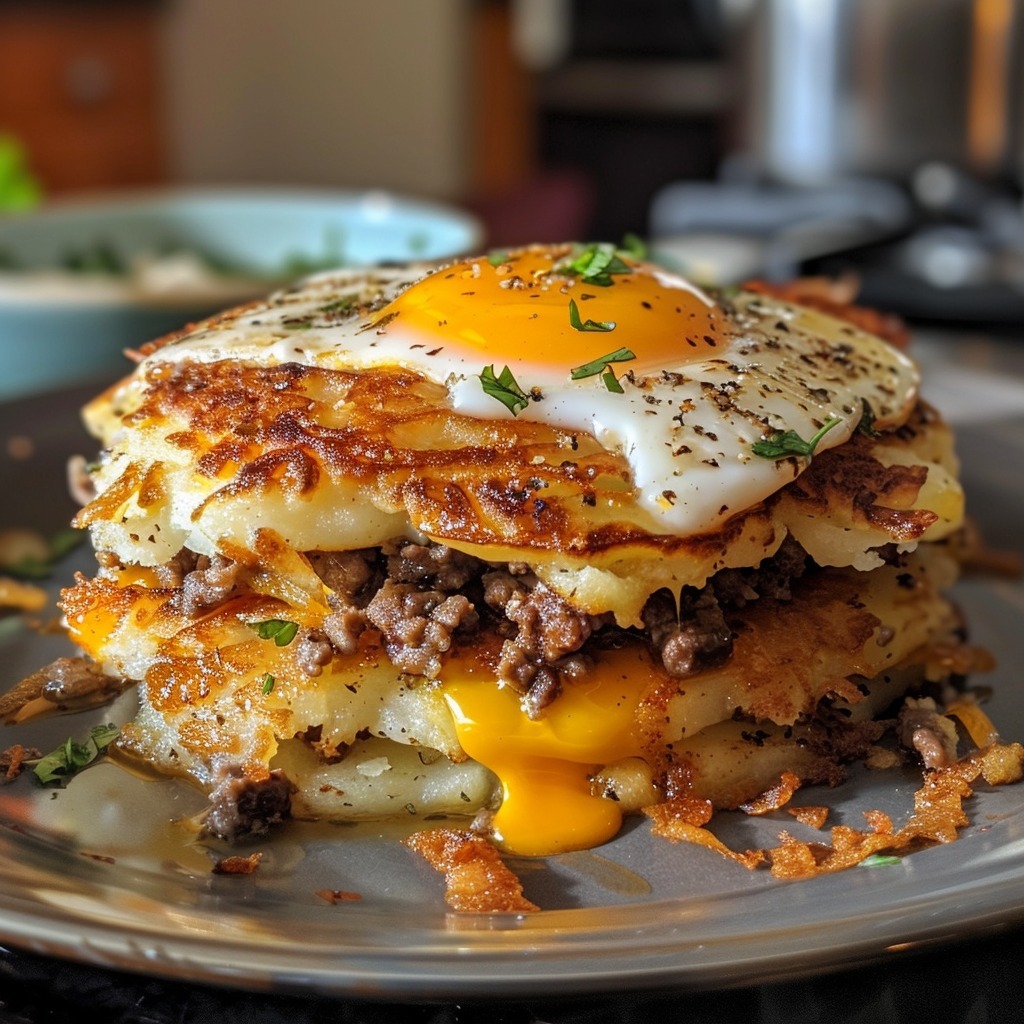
476	877
978	725
675	820
775	797
999	764
878	821
883	759
975	555
691	810
20	447
959	659
938	816
993	562
238	865
12	760
16	596
338	896
815	817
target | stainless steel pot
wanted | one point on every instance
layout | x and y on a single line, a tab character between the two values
833	88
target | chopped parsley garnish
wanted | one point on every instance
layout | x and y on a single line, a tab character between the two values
281	631
634	245
505	389
33	568
596	263
602	363
783	444
268	683
867	420
71	757
341	306
879	860
587	325
497	256
611	382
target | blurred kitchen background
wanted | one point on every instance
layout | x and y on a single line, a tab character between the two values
739	137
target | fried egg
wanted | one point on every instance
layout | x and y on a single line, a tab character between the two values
682	384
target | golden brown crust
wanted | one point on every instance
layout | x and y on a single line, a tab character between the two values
477	880
878	495
510	484
835	297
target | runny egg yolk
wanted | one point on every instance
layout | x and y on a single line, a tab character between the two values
546	764
533	312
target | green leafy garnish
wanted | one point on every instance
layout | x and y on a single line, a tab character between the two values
341	306
611	382
34	568
867	420
497	256
268	683
71	757
634	245
587	325
602	363
783	444
281	631
505	389
596	263
879	860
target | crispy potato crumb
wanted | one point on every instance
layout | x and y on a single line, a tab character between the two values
883	759
12	761
16	596
1001	763
937	818
673	820
238	865
774	797
815	817
338	896
476	877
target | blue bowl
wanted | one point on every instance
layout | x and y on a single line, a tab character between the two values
199	251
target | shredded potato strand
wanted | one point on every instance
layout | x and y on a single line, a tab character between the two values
937	818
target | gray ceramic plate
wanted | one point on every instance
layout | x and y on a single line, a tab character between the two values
98	872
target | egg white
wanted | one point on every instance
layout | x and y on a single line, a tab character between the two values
686	430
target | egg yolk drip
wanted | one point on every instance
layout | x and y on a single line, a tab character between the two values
534	312
546	764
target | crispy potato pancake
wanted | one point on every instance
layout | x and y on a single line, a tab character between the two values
553	530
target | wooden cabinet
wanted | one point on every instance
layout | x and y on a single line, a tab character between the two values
80	87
